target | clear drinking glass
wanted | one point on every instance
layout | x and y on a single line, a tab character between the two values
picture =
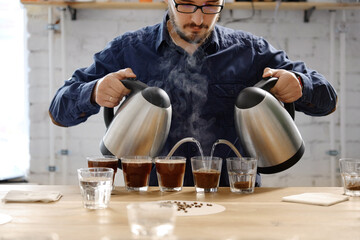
170	172
104	161
206	173
95	186
136	171
350	173
242	174
152	219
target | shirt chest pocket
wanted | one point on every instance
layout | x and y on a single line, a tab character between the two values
226	90
223	97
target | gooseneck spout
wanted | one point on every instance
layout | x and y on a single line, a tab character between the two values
226	142
184	140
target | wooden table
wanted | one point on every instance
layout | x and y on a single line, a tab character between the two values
261	215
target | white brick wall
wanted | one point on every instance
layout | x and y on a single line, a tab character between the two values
91	31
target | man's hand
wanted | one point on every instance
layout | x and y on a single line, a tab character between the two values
288	88
109	91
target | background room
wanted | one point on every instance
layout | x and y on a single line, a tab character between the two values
43	46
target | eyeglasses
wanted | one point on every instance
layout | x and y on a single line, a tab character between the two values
191	8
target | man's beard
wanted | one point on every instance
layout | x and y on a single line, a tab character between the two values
194	38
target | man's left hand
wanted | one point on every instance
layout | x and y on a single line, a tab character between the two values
288	88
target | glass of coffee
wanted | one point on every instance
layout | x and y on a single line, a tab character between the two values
242	174
350	173
206	173
106	161
136	170
170	172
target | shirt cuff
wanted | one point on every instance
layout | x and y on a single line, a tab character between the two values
85	104
306	87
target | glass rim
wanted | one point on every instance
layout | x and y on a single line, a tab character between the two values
205	158
101	170
247	159
137	158
144	205
349	160
172	158
102	158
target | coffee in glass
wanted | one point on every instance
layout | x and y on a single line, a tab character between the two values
206	172
106	161
170	172
136	170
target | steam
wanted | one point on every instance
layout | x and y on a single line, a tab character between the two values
188	94
188	90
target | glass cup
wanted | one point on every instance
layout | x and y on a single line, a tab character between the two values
350	173
170	172
155	220
136	171
95	186
206	173
104	161
242	174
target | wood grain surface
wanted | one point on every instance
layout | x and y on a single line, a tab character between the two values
261	215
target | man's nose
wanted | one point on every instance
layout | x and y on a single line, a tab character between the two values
197	17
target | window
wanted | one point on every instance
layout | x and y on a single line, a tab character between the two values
14	147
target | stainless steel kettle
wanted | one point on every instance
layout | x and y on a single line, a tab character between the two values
141	123
266	128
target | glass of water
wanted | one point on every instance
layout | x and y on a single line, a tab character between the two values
95	186
152	219
242	174
350	173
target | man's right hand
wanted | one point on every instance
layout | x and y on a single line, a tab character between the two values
109	91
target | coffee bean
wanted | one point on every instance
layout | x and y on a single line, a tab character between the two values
183	206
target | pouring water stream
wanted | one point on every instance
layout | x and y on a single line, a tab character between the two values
188	139
226	142
191	139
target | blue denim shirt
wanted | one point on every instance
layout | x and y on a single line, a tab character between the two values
202	87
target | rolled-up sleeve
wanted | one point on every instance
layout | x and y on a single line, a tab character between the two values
319	97
72	104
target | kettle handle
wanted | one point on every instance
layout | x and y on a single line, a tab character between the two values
267	84
131	83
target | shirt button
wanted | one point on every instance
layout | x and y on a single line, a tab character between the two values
193	149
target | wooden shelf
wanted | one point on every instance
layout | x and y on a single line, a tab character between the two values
161	5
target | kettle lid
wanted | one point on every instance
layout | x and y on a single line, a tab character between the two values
156	96
250	97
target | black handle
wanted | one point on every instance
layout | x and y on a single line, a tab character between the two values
267	84
134	85
131	83
108	116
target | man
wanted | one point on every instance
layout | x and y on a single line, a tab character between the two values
202	67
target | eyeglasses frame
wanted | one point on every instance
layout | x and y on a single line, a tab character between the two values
197	7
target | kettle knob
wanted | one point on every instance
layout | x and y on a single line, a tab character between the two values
156	96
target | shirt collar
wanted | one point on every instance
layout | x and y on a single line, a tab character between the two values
211	44
163	34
